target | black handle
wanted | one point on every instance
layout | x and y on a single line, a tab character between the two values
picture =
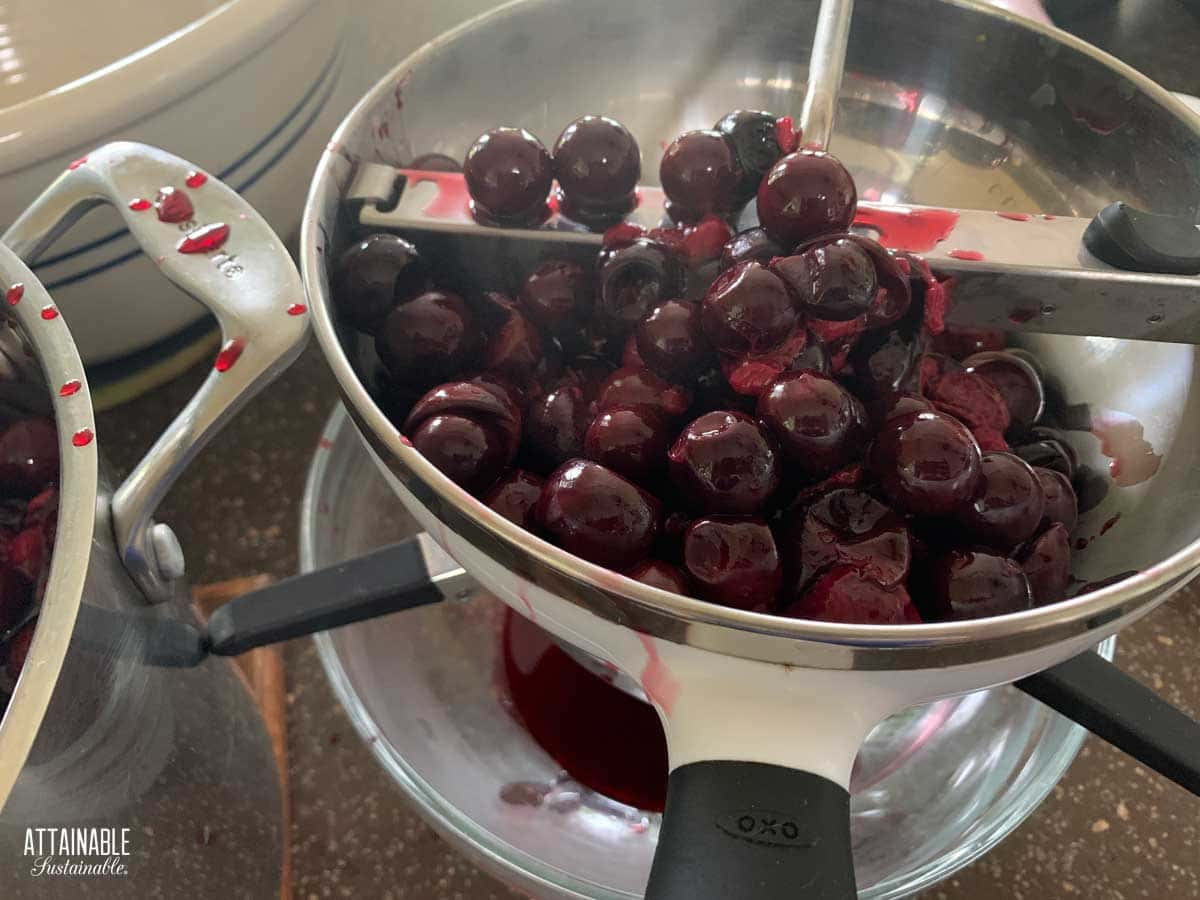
1116	707
386	581
1138	241
752	831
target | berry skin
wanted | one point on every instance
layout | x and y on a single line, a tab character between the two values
508	174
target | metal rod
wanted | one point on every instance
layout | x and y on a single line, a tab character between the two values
825	72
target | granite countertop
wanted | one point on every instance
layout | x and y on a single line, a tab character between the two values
1111	829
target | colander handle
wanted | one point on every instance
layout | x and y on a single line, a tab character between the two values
754	831
209	242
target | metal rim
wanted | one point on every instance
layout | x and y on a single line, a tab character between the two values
59	361
546	563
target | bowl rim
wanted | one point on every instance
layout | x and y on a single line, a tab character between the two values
659	612
123	92
79	467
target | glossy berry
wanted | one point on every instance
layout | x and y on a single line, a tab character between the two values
834	281
804	195
1017	382
514	351
1046	563
467	431
751	244
28	456
514	496
845	595
598	164
596	514
555	426
468	451
633	442
699	175
927	464
427	339
642	388
814	357
508	174
661	575
819	425
886	363
435	162
751	134
373	276
849	528
902	404
557	296
893	293
747	310
632	280
971	585
670	341
1061	507
724	462
1008	506
733	562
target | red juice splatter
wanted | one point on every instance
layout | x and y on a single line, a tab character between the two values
452	200
973	255
82	437
786	135
14	294
324	443
139	204
1122	440
195	179
902	228
1015	216
70	388
910	100
1021	316
1049	218
75	164
229	355
1081	543
172	205
1110	523
297	309
204	238
604	739
49	312
657	681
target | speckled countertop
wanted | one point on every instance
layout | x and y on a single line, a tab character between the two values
1109	830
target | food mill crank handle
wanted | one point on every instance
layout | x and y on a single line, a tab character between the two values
209	242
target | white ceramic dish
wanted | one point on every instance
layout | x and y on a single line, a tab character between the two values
245	88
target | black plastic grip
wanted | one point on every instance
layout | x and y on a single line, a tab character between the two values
386	581
752	831
1138	241
1090	690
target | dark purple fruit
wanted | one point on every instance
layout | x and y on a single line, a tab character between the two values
508	174
555	426
1047	565
598	164
752	244
699	175
427	339
747	310
928	464
1008	506
724	462
633	442
514	496
671	342
557	297
819	425
632	280
374	276
751	134
972	585
596	514
733	562
804	195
